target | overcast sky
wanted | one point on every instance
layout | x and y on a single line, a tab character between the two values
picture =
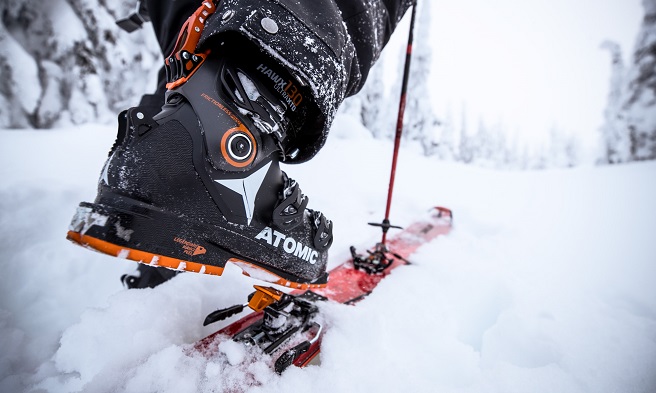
530	64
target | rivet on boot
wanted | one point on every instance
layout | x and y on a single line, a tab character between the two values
227	16
269	25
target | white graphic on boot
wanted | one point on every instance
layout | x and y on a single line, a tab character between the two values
104	176
247	188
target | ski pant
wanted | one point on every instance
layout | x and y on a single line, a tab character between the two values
328	44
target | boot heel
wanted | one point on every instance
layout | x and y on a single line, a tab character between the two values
145	237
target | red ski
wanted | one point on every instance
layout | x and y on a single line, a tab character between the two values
284	325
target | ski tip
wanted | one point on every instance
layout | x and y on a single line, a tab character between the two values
443	212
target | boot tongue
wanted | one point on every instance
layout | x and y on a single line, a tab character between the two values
284	87
273	99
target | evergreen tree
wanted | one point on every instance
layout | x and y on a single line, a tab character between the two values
499	148
374	103
563	149
60	61
616	139
420	121
630	128
446	145
482	143
467	145
640	104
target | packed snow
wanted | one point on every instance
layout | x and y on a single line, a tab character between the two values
544	285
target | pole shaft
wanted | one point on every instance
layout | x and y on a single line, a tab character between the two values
399	121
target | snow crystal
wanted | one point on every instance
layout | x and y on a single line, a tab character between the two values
310	44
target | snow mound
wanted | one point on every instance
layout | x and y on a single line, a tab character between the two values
544	285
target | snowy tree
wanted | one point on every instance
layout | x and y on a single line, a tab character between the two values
499	152
630	128
484	144
374	96
352	106
61	60
446	146
420	120
374	104
511	154
616	139
640	104
467	145
563	149
488	146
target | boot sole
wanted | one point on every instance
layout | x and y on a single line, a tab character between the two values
141	237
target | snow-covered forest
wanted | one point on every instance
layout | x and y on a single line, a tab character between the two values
66	62
628	133
630	114
545	283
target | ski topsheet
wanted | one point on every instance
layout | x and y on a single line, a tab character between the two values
286	325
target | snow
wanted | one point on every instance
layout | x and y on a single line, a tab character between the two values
28	97
544	285
250	88
67	28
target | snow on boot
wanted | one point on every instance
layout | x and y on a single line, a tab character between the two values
200	185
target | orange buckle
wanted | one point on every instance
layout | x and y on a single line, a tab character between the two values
184	60
264	297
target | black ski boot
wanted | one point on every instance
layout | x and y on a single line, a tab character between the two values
199	184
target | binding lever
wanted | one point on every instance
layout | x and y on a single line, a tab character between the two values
374	263
258	301
183	60
264	297
291	355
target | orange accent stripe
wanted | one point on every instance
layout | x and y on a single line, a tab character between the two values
142	256
192	29
173	263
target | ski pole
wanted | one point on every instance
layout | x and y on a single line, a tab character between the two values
399	127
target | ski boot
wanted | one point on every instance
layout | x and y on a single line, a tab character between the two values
199	184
